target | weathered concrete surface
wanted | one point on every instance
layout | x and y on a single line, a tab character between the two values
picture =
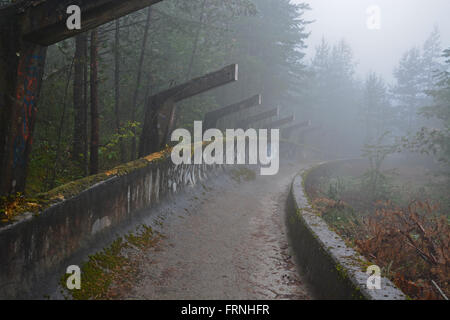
229	243
334	270
36	246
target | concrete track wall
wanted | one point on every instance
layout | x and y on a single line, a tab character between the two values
334	270
36	245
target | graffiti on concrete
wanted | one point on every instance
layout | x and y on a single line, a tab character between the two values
28	75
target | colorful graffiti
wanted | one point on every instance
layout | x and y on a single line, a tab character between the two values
29	71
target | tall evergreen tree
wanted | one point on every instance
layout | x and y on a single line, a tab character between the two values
415	75
333	97
376	109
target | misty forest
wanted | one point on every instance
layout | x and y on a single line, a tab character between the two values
390	201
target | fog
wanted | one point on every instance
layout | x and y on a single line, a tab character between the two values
129	108
404	24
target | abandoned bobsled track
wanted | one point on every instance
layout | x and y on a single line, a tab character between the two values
226	233
229	244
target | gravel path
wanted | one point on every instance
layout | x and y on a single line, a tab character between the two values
230	243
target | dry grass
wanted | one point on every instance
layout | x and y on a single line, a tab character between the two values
411	245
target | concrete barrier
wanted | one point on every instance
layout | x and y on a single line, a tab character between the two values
334	270
35	245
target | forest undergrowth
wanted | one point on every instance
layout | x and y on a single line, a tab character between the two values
408	239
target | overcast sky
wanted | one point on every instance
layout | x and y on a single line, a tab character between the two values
404	24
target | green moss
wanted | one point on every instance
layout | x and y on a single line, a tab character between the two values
300	212
143	240
292	220
243	174
357	295
363	263
13	206
108	272
73	188
342	272
305	175
99	272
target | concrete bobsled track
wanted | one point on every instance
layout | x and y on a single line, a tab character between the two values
334	270
224	236
229	243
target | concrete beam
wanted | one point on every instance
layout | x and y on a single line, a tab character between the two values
297	126
162	102
279	123
26	28
259	117
301	134
198	85
43	22
212	117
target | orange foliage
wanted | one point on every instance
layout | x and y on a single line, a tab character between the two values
412	245
14	205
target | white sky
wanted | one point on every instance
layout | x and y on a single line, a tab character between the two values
404	24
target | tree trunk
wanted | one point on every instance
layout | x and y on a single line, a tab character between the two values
80	121
117	88
95	126
138	82
86	108
150	141
25	30
21	71
51	184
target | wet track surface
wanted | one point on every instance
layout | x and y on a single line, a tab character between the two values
227	243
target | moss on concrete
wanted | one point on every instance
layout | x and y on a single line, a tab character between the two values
348	265
243	174
109	273
14	206
342	272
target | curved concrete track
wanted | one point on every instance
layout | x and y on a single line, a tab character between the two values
228	243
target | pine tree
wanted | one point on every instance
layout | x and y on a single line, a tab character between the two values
333	96
431	58
376	108
409	90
